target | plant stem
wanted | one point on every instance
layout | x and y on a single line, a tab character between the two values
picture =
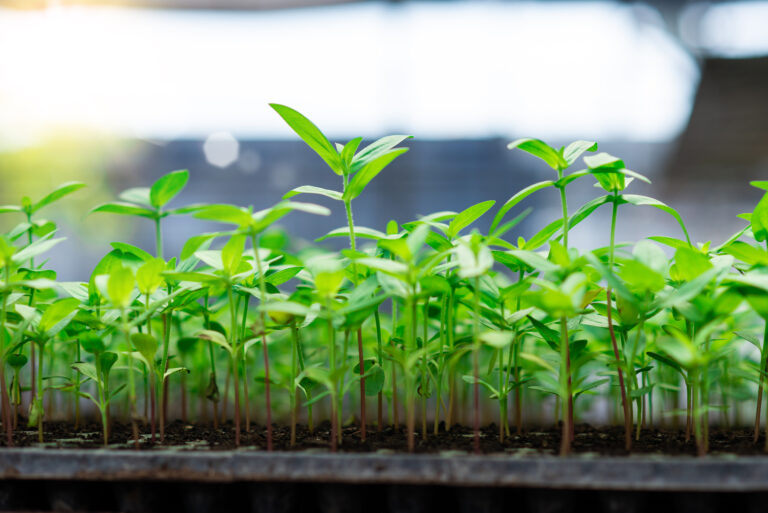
158	237
409	381
380	357
395	414
246	402
40	393
424	382
353	247
565	386
131	380
334	387
294	375
624	400
212	358
263	299
760	385
163	369
6	402
476	364
765	343
564	204
235	348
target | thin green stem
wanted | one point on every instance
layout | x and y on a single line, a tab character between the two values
158	237
265	351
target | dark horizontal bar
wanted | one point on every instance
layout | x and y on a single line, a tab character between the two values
642	473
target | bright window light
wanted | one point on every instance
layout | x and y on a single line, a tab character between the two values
471	69
735	29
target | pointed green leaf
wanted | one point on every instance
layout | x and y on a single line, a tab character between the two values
311	135
375	150
542	150
468	216
118	207
167	187
58	193
311	189
369	172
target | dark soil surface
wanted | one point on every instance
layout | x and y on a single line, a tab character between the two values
588	439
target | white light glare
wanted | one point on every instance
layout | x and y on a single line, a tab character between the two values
221	149
735	29
437	70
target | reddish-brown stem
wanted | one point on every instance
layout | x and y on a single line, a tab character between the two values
334	426
6	405
475	366
152	407
237	400
362	382
624	402
266	391
395	414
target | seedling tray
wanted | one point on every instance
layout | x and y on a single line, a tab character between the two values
110	480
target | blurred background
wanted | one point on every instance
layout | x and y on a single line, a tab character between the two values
117	93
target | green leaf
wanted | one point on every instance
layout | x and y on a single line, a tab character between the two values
542	150
230	214
194	243
130	248
87	369
311	135
385	265
517	198
107	360
138	195
759	220
283	275
147	346
690	263
473	261
374	376
369	172
61	311
533	260
311	189
149	276
498	339
36	248
232	254
92	343
747	253
636	199
574	150
4	209
360	232
174	370
666	361
348	151
375	150
215	337
167	187
58	193
468	216
120	286
118	207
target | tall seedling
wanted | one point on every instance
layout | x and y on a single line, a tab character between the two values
357	169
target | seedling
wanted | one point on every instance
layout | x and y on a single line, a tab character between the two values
432	314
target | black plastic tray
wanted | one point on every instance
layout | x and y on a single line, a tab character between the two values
197	481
